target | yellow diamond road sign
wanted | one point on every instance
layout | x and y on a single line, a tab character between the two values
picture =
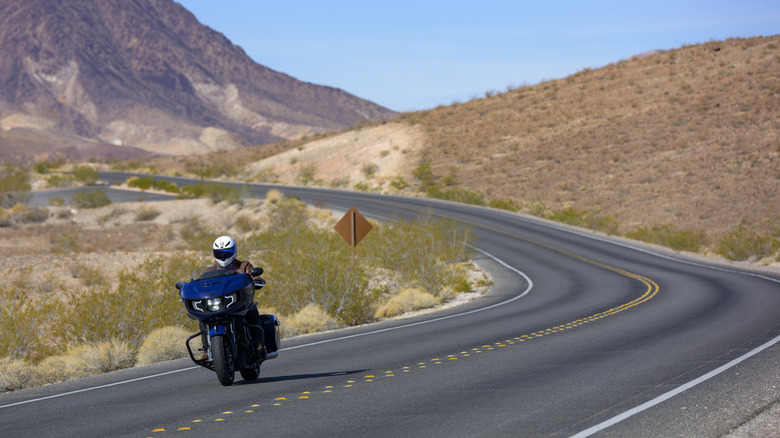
353	227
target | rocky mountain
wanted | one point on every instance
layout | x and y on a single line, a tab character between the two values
134	77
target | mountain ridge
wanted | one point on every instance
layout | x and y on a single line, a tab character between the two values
147	74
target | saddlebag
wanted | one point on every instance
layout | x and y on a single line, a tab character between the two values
271	332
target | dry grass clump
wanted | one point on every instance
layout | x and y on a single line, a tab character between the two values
101	357
310	319
15	374
165	343
406	301
146	214
80	361
274	196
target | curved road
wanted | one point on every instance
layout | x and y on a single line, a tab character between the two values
580	335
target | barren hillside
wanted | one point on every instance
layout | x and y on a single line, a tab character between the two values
688	138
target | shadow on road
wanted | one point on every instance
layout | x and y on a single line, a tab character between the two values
301	377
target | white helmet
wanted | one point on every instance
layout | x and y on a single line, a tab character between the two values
224	250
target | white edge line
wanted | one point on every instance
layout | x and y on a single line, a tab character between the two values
96	387
501	262
680	389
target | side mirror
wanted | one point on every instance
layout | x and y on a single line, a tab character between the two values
179	284
257	272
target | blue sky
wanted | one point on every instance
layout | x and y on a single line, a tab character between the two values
413	55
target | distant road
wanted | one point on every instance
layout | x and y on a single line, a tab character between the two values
42	198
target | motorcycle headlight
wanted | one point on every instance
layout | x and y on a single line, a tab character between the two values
213	305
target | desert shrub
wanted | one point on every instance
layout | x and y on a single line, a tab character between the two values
33	215
57	369
398	182
742	243
6	218
14	185
310	319
65	243
288	213
146	214
364	187
192	191
124	165
339	182
504	204
406	301
369	170
245	224
86	175
460	282
88	275
15	374
420	251
538	209
195	233
90	199
585	219
101	357
165	343
140	182
307	174
311	267
274	196
60	180
44	167
115	213
682	240
424	175
26	331
455	194
166	186
143	300
221	192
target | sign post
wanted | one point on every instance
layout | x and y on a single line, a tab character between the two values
353	227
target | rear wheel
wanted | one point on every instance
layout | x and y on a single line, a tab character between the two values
223	363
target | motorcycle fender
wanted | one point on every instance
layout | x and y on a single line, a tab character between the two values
217	330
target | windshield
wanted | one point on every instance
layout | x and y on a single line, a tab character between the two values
206	272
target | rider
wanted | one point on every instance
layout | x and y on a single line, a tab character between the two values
225	251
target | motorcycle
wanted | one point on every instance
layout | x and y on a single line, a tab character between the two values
220	300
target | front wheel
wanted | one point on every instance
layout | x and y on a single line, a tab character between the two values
223	360
252	373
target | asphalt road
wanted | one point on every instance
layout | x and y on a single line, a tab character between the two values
580	335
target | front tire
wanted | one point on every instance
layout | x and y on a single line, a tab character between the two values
223	363
252	373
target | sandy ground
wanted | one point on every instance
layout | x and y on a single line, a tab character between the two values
372	156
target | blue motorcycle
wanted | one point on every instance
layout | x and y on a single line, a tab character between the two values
220	301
